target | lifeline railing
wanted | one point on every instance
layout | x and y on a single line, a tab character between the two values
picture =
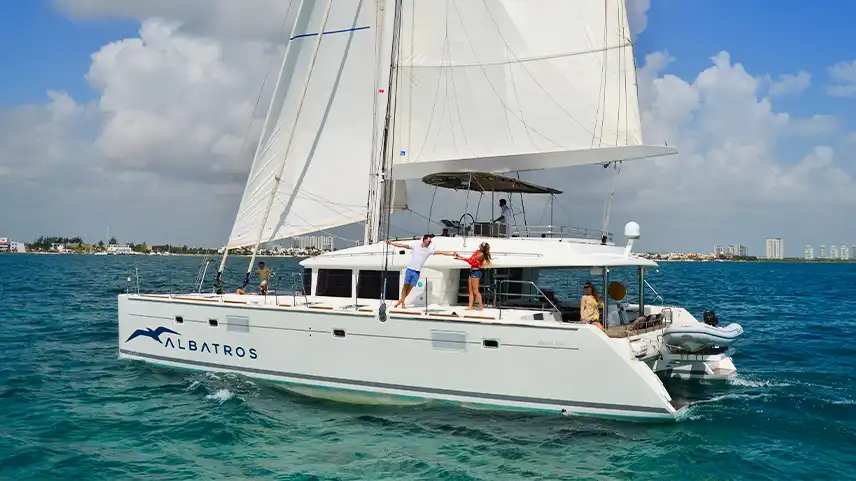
297	287
501	293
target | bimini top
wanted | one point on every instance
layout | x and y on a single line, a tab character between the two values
485	182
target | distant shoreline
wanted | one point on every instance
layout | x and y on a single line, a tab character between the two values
140	255
788	261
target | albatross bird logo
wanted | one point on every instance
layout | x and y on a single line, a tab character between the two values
154	334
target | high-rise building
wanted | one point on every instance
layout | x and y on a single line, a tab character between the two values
822	251
809	252
321	243
844	253
718	250
853	251
775	248
833	252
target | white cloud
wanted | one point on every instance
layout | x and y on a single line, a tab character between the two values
729	138
790	84
637	15
843	75
176	103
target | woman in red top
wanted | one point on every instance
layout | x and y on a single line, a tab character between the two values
477	261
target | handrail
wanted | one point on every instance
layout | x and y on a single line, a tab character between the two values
540	292
554	231
656	294
296	280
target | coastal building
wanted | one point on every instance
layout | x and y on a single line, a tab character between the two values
775	248
117	249
321	243
844	253
809	252
730	250
833	252
822	251
7	245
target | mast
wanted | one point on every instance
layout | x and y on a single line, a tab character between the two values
282	164
380	198
369	228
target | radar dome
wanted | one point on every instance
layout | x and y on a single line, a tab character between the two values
631	230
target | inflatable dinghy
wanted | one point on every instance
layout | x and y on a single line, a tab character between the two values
696	336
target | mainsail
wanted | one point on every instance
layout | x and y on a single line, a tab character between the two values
514	85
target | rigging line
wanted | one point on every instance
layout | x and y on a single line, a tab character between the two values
426	218
431	209
457	103
430	116
522	204
324	230
447	59
605	67
608	206
625	35
302	97
622	75
541	220
445	102
521	63
374	177
493	87
262	88
565	210
305	195
517	101
389	141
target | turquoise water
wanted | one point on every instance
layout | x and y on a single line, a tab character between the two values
72	410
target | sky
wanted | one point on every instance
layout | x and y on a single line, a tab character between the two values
130	115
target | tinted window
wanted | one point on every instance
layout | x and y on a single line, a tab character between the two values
307	281
370	284
334	283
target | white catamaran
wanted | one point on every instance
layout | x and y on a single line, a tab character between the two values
373	93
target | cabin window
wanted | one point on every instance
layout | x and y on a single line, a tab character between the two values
334	283
370	284
307	281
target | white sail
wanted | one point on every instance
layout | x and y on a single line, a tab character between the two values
327	148
506	79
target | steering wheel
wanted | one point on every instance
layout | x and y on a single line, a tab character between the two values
465	227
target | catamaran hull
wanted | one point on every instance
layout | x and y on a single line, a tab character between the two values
352	356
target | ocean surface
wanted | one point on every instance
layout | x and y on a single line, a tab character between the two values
70	409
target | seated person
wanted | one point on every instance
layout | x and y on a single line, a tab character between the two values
590	305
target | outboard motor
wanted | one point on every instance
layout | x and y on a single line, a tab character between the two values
709	318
